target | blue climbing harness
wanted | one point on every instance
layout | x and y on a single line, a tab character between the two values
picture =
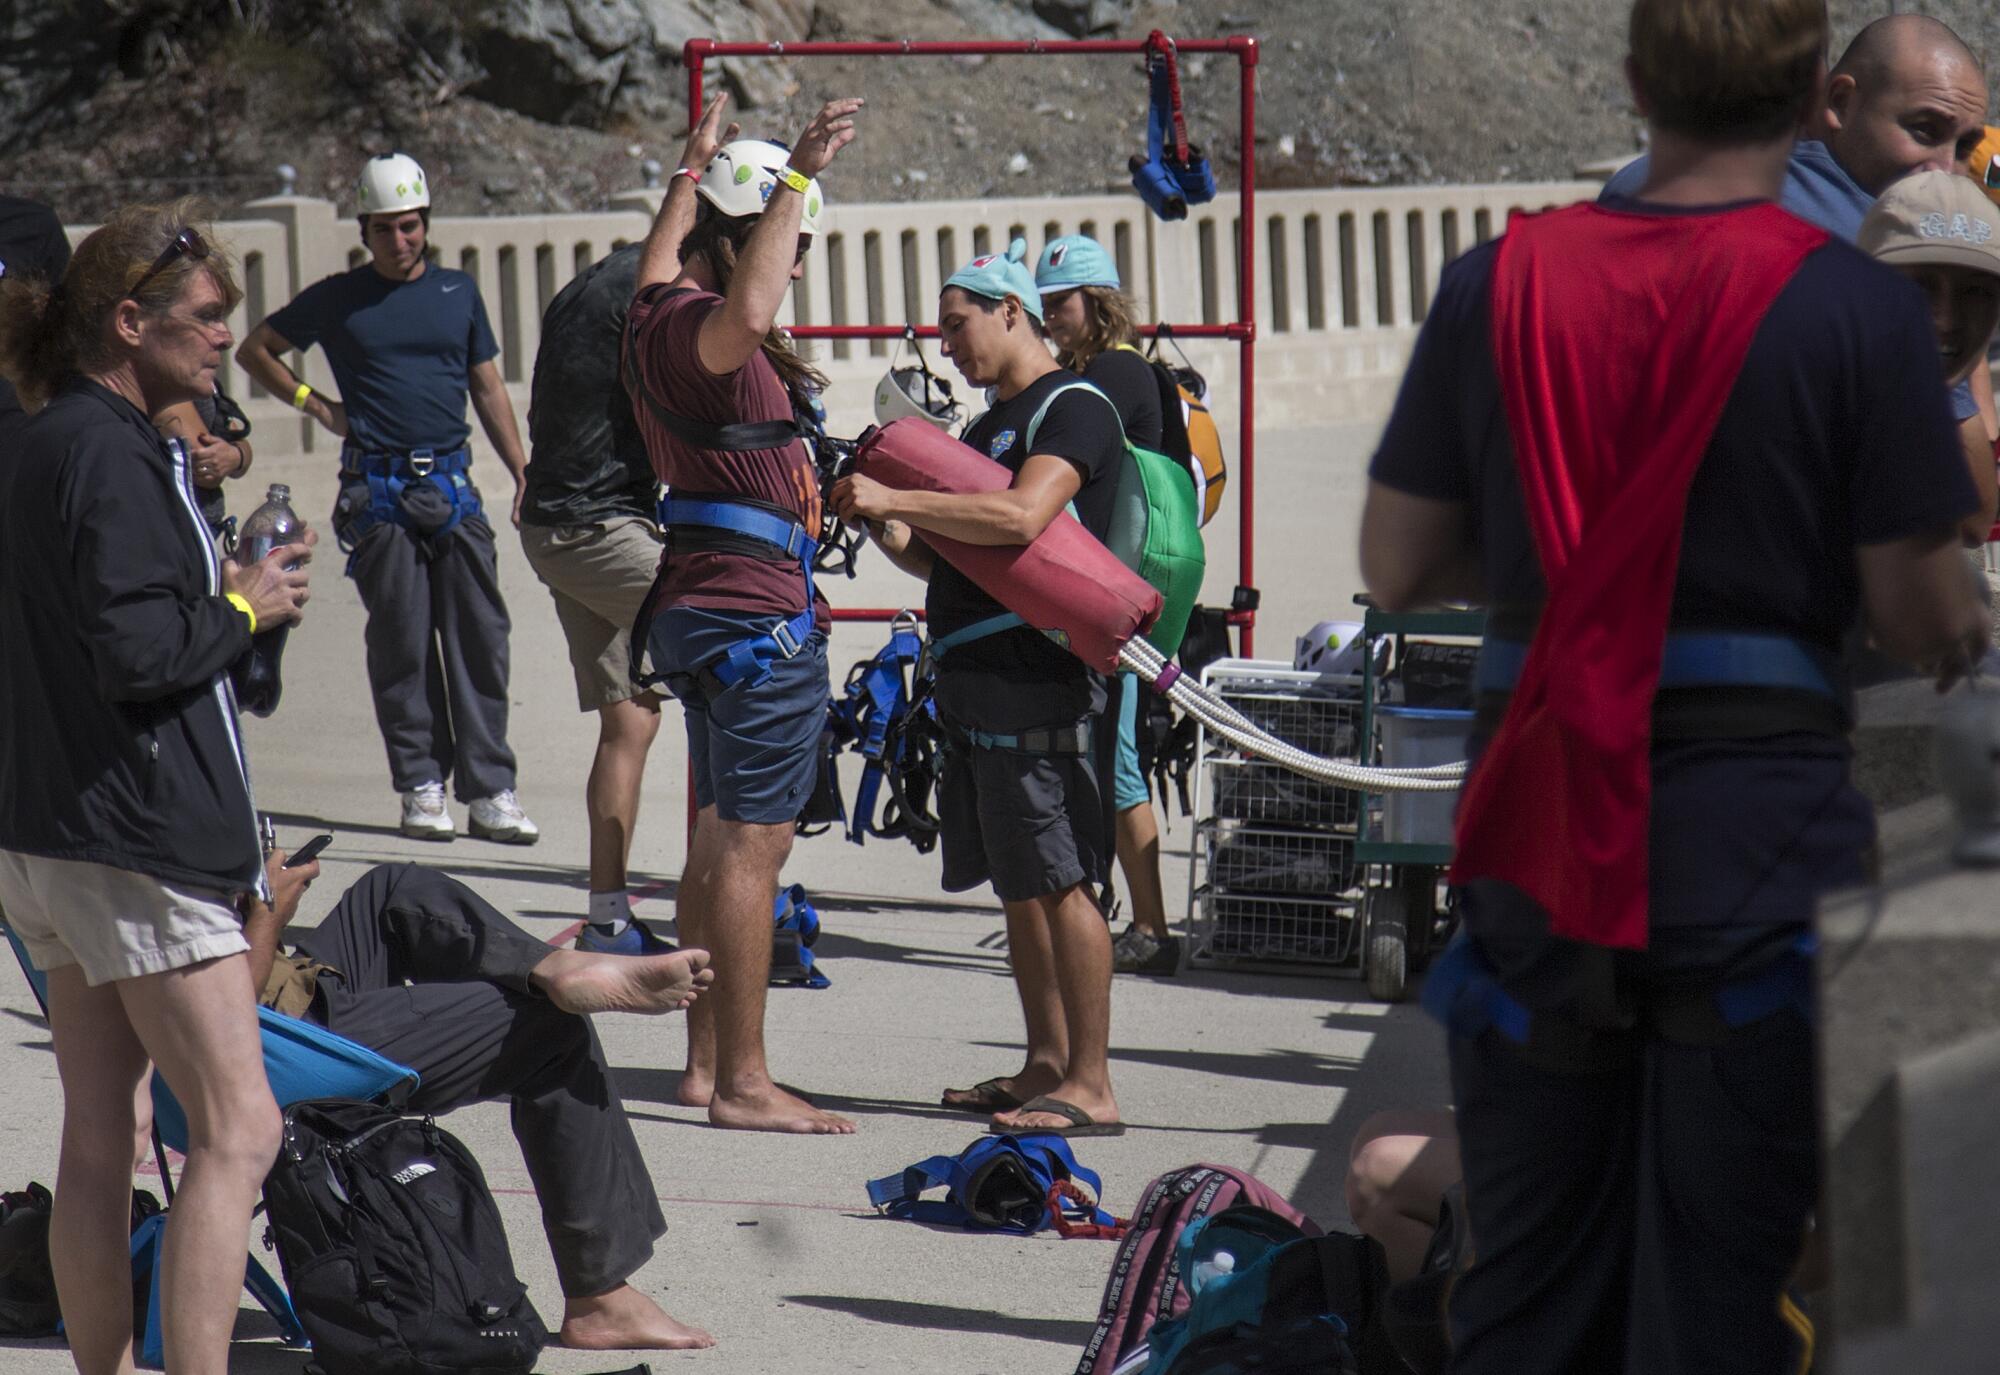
387	474
1463	992
750	660
997	1184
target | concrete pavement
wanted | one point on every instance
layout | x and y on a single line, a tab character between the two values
772	1245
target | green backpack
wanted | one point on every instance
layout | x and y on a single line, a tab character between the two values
1155	525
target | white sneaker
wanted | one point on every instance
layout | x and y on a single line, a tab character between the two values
424	814
500	818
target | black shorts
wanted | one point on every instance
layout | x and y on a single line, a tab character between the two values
1030	824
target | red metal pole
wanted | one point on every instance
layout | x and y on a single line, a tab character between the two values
907	48
694	56
1246	290
1229	331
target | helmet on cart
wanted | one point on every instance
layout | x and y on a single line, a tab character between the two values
1330	649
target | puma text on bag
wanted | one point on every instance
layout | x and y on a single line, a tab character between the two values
392	1247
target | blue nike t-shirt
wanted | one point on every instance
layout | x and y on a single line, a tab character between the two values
402	352
1817	190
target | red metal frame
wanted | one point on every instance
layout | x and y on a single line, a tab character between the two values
697	52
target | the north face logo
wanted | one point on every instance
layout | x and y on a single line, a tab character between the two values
410	1174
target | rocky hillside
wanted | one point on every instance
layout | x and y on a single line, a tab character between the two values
529	105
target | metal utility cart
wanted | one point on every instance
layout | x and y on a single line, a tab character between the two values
1271	883
1402	843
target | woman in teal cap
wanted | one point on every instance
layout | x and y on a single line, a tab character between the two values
1019	799
1089	318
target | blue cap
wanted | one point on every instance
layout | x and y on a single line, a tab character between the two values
996	276
1072	261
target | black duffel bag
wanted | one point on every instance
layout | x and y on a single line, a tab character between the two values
392	1247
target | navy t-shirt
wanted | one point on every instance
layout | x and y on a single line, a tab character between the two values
1837	434
402	352
1079	427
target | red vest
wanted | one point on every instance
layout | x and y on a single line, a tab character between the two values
1617	339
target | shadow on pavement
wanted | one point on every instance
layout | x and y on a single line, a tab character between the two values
835	945
1277	1066
945	1318
1404	1067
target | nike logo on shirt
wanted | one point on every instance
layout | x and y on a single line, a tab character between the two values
453	287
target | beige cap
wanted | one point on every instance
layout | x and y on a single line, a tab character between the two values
1934	217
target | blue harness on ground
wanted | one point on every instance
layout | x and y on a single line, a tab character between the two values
388	474
795	923
997	1184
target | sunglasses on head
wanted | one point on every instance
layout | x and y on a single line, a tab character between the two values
188	242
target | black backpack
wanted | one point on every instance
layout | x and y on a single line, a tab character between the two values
28	1306
392	1248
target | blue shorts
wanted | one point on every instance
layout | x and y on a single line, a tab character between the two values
754	751
1128	785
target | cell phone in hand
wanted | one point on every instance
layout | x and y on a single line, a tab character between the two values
308	852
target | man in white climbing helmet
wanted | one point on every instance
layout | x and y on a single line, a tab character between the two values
733	627
408	340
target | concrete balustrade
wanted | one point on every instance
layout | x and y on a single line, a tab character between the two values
1344	278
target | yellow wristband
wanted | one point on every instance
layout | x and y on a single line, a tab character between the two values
795	179
237	600
299	397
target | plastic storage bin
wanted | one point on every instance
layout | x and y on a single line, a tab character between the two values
1413	738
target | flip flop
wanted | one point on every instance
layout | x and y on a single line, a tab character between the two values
1080	1122
987	1098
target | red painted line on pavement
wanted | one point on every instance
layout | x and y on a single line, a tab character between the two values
651	890
567	934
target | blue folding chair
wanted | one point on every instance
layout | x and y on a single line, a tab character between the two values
302	1061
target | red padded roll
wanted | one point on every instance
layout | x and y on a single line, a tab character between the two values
1065	582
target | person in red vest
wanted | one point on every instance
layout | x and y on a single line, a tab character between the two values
1677	444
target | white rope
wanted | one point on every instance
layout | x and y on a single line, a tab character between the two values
1218	716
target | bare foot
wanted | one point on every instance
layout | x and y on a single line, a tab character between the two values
1097	1102
626	1320
696	1089
583	981
771	1109
1033	1080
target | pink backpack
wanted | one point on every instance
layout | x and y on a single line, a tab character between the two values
1146	1285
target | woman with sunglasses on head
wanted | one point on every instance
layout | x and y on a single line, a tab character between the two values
127	833
1090	320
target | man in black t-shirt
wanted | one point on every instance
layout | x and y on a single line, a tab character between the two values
1021	794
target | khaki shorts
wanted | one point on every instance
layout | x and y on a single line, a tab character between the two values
599	576
113	923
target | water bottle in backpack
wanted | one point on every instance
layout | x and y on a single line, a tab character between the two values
271	526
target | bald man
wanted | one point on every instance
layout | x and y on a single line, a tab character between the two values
1907	96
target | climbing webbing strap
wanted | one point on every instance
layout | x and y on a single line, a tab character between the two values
751	660
387	474
1074	740
1700	659
1464	993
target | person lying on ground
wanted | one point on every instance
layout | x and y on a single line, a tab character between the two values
417	967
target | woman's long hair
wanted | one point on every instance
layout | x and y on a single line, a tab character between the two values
52	331
1107	324
716	239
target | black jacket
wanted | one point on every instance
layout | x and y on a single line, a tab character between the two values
118	734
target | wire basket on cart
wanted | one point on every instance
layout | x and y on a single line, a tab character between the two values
1273	882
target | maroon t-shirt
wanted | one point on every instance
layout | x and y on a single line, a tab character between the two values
667	326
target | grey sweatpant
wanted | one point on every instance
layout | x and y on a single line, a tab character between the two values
470	1023
437	657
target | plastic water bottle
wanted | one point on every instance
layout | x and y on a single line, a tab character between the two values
1222	1263
271	526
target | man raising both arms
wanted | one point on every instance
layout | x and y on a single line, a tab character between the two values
735	629
408	341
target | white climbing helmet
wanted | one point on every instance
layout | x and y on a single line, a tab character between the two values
907	391
742	175
391	182
1330	649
